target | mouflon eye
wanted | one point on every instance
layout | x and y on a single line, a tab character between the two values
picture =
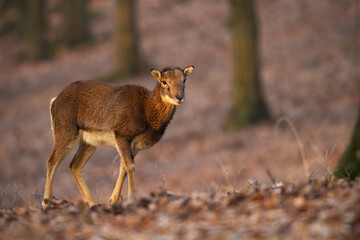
164	83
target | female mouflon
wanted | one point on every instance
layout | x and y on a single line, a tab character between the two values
128	118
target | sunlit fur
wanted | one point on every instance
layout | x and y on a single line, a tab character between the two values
129	118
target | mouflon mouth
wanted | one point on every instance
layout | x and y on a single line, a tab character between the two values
173	101
178	102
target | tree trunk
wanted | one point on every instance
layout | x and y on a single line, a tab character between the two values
349	164
248	105
75	22
128	56
34	29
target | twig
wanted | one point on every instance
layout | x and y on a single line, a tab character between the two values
163	175
96	185
42	195
114	172
299	142
38	196
163	181
327	154
254	183
271	176
220	180
237	177
16	196
313	174
3	193
348	174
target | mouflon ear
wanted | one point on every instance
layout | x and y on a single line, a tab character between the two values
188	70
156	74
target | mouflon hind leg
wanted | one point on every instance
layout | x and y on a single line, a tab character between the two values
59	153
66	136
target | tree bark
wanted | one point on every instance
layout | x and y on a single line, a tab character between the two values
248	105
34	29
75	22
349	164
128	55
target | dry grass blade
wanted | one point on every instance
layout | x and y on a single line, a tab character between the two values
323	157
299	143
237	177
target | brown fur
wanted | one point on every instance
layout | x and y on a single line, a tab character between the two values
129	118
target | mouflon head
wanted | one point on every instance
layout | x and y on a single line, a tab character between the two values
172	81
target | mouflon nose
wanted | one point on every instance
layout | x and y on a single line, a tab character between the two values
179	98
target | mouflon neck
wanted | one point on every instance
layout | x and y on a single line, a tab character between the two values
159	113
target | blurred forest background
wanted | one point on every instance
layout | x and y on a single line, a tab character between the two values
308	56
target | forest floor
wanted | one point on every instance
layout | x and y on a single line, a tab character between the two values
308	52
313	210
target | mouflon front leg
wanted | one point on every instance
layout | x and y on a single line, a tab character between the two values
76	167
127	161
119	184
